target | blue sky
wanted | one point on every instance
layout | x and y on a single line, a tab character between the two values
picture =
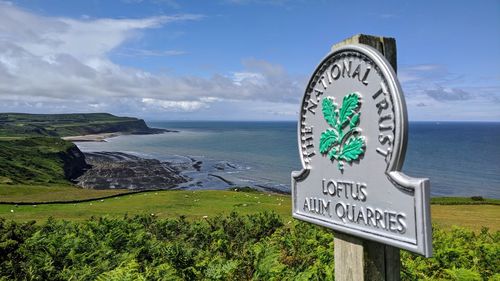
238	59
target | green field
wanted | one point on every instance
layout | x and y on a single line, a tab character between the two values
472	217
51	193
198	204
192	204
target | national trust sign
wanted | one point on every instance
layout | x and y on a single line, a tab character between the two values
352	135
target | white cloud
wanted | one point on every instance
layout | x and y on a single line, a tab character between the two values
248	77
187	106
62	64
151	53
83	39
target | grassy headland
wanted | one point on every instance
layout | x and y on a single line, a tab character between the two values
39	160
62	125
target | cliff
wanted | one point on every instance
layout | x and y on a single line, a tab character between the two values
74	164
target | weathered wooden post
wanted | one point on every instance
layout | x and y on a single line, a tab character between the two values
376	261
353	115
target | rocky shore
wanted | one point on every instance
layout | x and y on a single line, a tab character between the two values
126	171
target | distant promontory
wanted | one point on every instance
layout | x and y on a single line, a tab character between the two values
74	124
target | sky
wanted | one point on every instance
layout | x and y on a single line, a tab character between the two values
238	59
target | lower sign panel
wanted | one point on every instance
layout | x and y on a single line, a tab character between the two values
335	206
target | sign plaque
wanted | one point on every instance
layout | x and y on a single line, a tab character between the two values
352	136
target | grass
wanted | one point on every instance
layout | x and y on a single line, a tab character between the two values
197	204
473	217
3	138
474	200
37	160
56	192
192	204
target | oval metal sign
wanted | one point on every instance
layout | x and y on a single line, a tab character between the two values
352	136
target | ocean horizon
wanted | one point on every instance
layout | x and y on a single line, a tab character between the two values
459	158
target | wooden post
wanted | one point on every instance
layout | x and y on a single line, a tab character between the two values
385	45
355	258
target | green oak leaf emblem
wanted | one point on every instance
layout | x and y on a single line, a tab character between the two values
342	142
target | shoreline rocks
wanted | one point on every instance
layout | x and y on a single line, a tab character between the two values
125	171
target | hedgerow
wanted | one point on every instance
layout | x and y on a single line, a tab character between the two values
232	247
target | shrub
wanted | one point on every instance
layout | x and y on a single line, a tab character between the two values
232	247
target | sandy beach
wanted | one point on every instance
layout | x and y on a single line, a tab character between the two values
94	137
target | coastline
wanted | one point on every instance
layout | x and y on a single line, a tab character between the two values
103	137
93	137
120	170
115	169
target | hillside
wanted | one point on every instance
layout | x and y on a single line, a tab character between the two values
39	160
62	125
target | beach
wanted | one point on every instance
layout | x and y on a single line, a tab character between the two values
92	137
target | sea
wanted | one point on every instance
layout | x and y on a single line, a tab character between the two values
459	158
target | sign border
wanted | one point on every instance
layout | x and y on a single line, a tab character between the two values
420	187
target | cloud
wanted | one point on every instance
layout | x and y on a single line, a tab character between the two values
60	64
248	77
83	39
448	94
188	106
128	52
434	93
436	82
415	73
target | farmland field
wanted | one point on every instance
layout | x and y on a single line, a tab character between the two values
198	204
